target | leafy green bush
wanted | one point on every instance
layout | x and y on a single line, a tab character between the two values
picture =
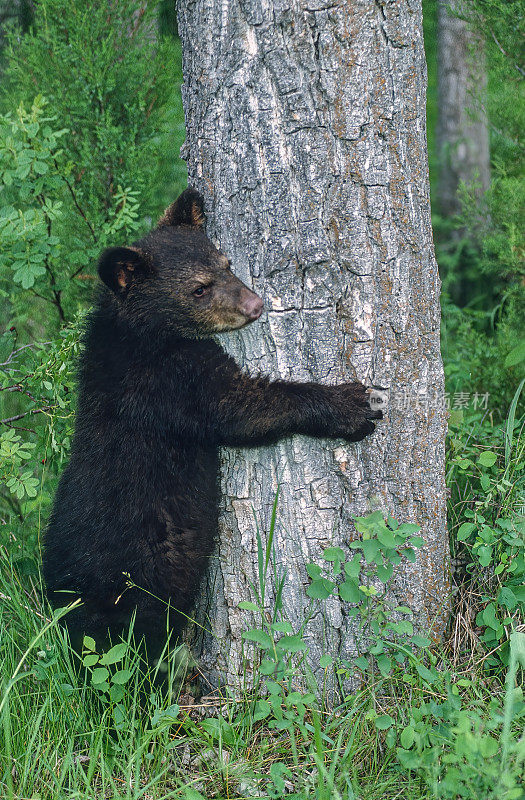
86	162
486	474
481	256
469	749
458	743
112	81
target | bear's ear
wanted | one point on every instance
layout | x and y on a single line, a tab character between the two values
119	267
188	209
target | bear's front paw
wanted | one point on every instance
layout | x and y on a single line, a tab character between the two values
355	415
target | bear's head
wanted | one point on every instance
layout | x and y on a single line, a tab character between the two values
175	280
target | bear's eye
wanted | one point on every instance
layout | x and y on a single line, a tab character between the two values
200	291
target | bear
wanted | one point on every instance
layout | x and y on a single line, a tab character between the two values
135	515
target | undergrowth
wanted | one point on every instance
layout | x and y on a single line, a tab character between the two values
410	723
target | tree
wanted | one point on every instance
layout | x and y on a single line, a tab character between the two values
14	12
462	129
306	135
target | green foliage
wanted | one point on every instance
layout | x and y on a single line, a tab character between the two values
93	156
110	79
480	254
467	751
486	474
425	733
36	419
29	149
90	128
458	744
386	639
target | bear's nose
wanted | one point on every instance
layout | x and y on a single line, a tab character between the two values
252	306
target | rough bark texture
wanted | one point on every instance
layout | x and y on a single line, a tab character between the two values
462	131
306	134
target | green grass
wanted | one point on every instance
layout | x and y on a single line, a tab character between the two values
62	738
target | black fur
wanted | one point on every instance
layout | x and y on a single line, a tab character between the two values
157	396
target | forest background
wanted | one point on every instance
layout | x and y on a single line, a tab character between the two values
90	131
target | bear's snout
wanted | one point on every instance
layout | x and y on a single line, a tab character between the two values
251	305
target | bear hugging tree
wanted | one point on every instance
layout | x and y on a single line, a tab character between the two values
157	397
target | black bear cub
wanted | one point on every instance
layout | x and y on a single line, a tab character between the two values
157	397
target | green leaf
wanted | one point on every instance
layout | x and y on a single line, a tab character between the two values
314	571
282	724
353	567
407	737
487	459
99	675
484	554
248	606
516	355
387	538
368	524
260	637
488	617
384	573
385	665
90	660
416	541
267	667
464	531
408	528
282	627
426	674
88	643
325	661
349	591
383	722
121	677
507	598
262	710
320	589
291	644
26	274
166	715
485	482
116	693
517	646
116	653
333	554
420	641
192	794
371	550
488	746
409	759
403	627
274	689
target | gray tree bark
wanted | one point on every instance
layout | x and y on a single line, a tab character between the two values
306	134
462	129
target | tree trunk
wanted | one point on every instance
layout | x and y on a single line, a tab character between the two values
462	132
306	134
